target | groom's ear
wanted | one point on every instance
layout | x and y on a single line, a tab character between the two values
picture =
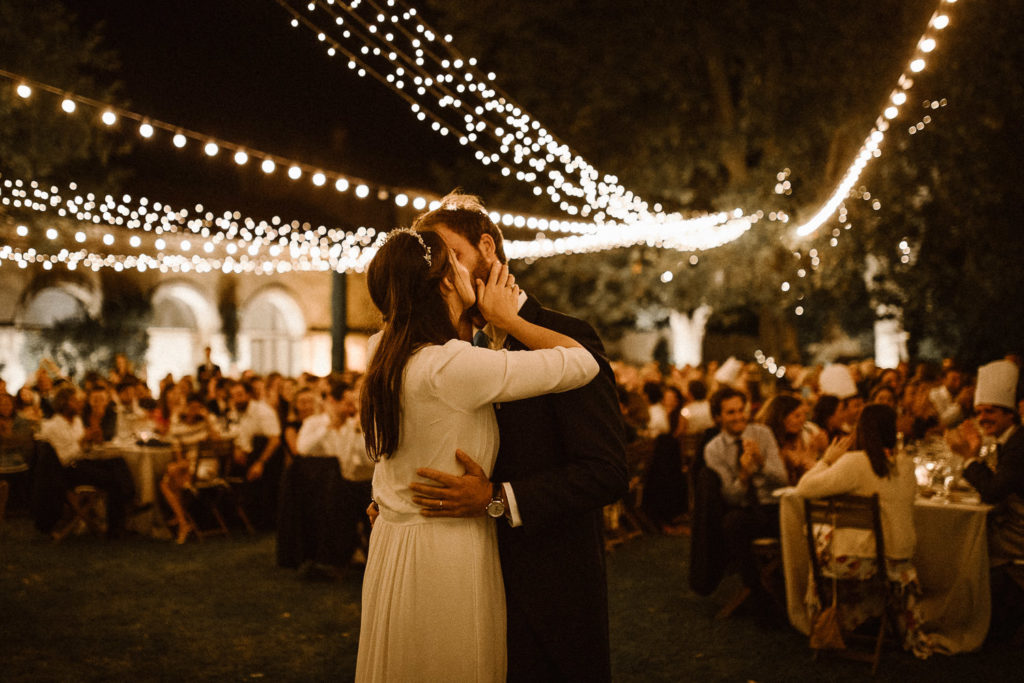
486	248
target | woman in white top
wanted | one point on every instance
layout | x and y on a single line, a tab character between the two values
872	467
433	600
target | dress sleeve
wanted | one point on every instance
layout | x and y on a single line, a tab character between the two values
471	377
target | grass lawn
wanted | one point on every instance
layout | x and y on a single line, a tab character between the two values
147	610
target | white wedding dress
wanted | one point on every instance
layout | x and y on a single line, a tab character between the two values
433	604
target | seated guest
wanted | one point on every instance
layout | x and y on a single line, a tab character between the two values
66	434
785	416
665	498
837	380
951	399
27	406
666	414
188	429
747	461
316	527
657	420
826	417
873	466
303	406
697	411
99	417
16	449
338	432
256	450
995	408
884	395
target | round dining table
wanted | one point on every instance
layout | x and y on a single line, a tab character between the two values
951	558
147	463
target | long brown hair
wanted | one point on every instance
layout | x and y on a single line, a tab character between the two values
876	432
406	289
773	415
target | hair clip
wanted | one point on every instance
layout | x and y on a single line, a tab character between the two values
419	238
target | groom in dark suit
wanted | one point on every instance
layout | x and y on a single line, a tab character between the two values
560	460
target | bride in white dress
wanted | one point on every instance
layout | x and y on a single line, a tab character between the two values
433	605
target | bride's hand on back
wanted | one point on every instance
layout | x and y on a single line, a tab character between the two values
498	298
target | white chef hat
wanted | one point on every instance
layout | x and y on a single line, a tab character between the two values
729	372
997	385
837	381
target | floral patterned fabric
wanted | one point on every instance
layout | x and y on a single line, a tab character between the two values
858	603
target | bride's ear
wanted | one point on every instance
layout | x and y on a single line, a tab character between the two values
446	284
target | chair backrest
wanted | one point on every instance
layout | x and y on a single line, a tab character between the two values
213	458
845	512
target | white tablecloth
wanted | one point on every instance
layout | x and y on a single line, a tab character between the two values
951	558
147	464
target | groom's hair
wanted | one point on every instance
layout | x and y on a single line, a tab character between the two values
464	215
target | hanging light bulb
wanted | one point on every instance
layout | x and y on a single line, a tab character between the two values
24	91
268	166
179	140
241	157
108	117
68	105
211	149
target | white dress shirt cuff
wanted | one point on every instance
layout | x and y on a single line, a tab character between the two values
513	509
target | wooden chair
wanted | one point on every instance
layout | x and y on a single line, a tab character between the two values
851	512
625	519
86	503
211	489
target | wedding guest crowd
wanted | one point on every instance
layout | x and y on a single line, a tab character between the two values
261	417
770	432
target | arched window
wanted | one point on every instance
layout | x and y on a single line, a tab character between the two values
272	327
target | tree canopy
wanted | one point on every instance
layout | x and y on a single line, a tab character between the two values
701	106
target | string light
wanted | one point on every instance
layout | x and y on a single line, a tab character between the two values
871	147
460	100
685	234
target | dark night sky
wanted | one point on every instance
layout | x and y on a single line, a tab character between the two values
237	70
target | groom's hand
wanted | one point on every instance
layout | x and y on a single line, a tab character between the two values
450	495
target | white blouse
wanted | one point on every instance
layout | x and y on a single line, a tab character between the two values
852	474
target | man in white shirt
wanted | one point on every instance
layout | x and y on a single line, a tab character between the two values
66	434
337	433
256	449
951	399
746	459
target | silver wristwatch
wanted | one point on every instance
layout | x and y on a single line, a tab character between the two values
496	508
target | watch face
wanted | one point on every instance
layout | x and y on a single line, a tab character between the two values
495	509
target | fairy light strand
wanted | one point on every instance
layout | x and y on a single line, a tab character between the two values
871	148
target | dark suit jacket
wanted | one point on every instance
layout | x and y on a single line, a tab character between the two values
564	455
1003	488
1008	478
